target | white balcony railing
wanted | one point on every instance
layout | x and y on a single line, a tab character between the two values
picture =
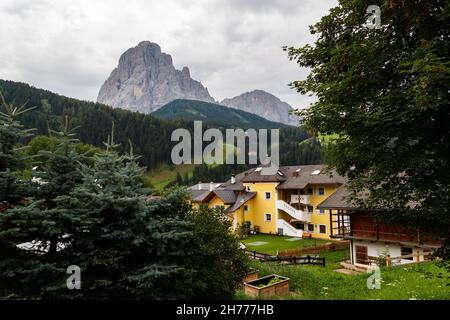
304	199
294	213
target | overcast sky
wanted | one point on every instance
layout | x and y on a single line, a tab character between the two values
231	46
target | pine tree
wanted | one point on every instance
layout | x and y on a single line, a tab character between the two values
35	231
12	187
126	248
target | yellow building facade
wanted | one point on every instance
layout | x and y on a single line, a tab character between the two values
284	203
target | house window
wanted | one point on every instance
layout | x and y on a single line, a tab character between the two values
310	227
322	211
321	191
248	188
406	251
245	207
310	209
267	195
323	229
309	191
268	217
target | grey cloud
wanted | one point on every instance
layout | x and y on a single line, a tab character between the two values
230	46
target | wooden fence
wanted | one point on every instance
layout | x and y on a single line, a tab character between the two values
394	261
330	246
311	260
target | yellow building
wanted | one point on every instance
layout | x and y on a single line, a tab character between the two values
284	203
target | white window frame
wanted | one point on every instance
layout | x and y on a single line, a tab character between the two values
265	217
314	227
323	225
265	195
321	213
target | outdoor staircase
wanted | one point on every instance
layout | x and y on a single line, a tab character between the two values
294	213
288	229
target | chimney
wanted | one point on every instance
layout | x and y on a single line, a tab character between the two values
211	186
199	185
233	179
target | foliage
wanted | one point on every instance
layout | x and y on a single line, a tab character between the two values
99	217
150	136
12	187
383	95
425	281
217	265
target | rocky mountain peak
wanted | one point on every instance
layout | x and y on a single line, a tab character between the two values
146	79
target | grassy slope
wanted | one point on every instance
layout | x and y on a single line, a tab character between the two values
424	281
163	175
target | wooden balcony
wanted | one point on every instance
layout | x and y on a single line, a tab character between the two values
364	226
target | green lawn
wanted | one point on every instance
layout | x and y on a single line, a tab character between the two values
423	281
275	243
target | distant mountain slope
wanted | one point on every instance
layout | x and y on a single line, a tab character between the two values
263	104
213	114
150	136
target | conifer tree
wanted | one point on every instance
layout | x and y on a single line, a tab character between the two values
12	187
35	231
126	248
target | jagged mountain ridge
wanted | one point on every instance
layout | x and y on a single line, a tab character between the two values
145	79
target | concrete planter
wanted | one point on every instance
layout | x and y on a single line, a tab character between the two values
260	288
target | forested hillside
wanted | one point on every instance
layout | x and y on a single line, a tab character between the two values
213	114
150	136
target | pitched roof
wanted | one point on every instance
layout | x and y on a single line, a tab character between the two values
289	177
205	186
256	176
298	177
338	200
238	186
241	200
199	195
227	196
